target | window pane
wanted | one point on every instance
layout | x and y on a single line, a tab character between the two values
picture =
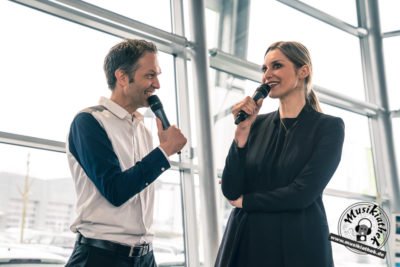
392	66
58	66
168	228
201	218
36	189
389	15
156	13
356	171
60	75
335	54
212	23
342	9
44	178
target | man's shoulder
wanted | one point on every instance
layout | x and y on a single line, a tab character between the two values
88	113
98	108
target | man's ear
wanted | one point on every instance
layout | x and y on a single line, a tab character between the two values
121	77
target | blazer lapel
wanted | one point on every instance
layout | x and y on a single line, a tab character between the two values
261	136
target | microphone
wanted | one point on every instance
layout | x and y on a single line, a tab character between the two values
157	107
261	92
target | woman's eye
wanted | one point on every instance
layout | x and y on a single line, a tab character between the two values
277	65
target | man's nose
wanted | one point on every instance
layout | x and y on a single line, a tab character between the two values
156	83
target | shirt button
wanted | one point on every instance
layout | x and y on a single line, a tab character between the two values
146	184
162	169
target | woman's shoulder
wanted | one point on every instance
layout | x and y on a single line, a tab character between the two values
328	118
330	122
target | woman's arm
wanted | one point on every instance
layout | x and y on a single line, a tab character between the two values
234	172
233	175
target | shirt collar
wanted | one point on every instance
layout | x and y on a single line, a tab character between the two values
117	110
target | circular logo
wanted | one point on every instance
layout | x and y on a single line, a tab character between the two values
366	223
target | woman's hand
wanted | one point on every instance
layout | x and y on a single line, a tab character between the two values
243	129
238	203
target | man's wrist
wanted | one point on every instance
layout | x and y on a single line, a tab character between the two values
164	152
165	148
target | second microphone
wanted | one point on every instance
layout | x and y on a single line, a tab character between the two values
261	92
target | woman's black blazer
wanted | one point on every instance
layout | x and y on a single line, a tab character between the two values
287	210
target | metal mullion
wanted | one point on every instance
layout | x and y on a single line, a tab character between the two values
391	34
128	22
228	63
233	65
382	140
32	142
395	113
187	178
325	17
111	27
207	172
57	146
350	104
347	194
188	187
381	128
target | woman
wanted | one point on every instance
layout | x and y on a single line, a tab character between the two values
277	168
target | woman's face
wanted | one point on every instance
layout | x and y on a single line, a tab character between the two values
282	76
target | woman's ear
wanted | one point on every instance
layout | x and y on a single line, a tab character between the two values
304	71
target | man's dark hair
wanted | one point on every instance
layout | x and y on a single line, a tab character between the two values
125	56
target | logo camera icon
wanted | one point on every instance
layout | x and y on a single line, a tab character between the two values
363	229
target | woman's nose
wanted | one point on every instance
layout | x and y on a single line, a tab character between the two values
266	76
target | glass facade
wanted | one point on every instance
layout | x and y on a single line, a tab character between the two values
52	68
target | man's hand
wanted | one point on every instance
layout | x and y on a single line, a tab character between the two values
171	140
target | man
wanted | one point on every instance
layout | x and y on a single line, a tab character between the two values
113	163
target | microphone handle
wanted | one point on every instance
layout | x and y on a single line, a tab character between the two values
241	116
163	118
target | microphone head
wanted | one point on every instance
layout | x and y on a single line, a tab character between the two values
154	102
264	89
